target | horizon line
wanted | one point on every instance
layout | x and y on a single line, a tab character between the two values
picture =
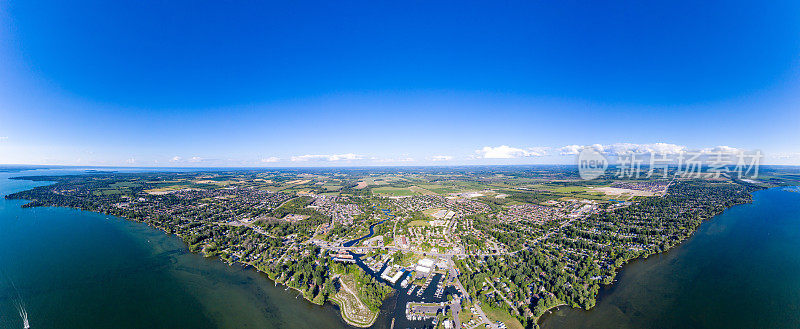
337	167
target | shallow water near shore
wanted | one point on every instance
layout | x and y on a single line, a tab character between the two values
740	270
76	269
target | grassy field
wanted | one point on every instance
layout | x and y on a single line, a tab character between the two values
332	187
570	189
419	223
215	182
439	189
120	185
465	315
421	190
502	316
430	212
393	191
117	188
166	189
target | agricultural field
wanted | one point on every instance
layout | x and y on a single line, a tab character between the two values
394	191
284	222
429	213
421	190
420	223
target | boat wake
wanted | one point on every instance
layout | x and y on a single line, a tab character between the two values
24	315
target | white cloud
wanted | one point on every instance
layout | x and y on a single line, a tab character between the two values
403	158
722	149
507	152
270	159
308	157
666	148
441	158
327	157
575	149
196	159
131	161
570	149
3	138
657	148
176	159
785	155
625	148
347	156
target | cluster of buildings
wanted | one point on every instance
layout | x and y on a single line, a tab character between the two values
219	205
425	266
438	238
337	208
459	207
530	212
655	187
393	273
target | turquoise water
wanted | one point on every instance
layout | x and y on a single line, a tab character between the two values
740	270
76	269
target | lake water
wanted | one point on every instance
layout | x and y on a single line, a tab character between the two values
77	269
740	270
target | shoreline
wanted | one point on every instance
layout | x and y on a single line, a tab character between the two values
229	263
352	322
538	321
608	289
247	264
200	252
333	302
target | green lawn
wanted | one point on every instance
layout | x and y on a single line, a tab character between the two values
502	316
440	189
393	191
421	190
119	185
431	211
570	189
419	223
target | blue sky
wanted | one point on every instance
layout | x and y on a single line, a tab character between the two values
174	83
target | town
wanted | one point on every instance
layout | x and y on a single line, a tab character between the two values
456	248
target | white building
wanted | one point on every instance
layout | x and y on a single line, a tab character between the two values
425	266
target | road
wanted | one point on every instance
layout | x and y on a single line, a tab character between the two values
325	245
502	295
454	274
456	306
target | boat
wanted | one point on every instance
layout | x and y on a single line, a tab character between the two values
404	283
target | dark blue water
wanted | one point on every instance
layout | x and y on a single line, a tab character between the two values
77	269
740	270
